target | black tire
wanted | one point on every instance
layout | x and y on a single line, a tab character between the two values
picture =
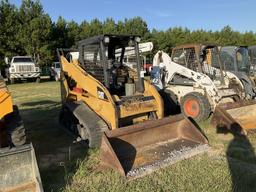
171	106
15	128
83	129
38	80
196	106
56	78
12	80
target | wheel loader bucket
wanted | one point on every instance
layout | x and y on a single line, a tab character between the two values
18	170
239	115
139	149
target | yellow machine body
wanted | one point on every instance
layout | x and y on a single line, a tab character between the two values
86	90
6	104
125	118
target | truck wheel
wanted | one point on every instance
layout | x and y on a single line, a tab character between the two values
195	105
12	80
38	80
15	128
56	78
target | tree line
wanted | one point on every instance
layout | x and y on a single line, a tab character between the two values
29	30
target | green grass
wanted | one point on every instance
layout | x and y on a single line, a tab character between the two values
229	165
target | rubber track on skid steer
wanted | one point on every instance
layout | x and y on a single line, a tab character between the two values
15	128
90	120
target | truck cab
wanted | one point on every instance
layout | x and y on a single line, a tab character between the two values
23	68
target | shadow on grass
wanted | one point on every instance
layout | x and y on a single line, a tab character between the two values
241	159
57	154
45	102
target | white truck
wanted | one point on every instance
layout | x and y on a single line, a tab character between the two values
22	67
55	71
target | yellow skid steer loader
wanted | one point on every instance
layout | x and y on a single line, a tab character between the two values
18	165
111	106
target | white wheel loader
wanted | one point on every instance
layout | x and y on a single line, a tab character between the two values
187	79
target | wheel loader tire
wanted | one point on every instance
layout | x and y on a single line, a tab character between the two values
196	106
15	128
88	125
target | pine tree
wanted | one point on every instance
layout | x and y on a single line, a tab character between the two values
34	34
9	44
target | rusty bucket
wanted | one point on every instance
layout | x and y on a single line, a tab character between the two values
18	170
241	115
142	148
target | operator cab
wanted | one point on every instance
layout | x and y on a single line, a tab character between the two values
200	58
235	59
103	58
252	53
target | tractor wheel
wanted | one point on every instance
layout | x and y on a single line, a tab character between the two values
15	128
196	106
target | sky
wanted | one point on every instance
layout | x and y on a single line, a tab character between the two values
160	14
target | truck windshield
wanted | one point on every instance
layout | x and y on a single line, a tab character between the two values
23	60
242	57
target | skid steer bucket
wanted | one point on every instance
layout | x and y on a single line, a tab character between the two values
239	115
142	148
18	170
